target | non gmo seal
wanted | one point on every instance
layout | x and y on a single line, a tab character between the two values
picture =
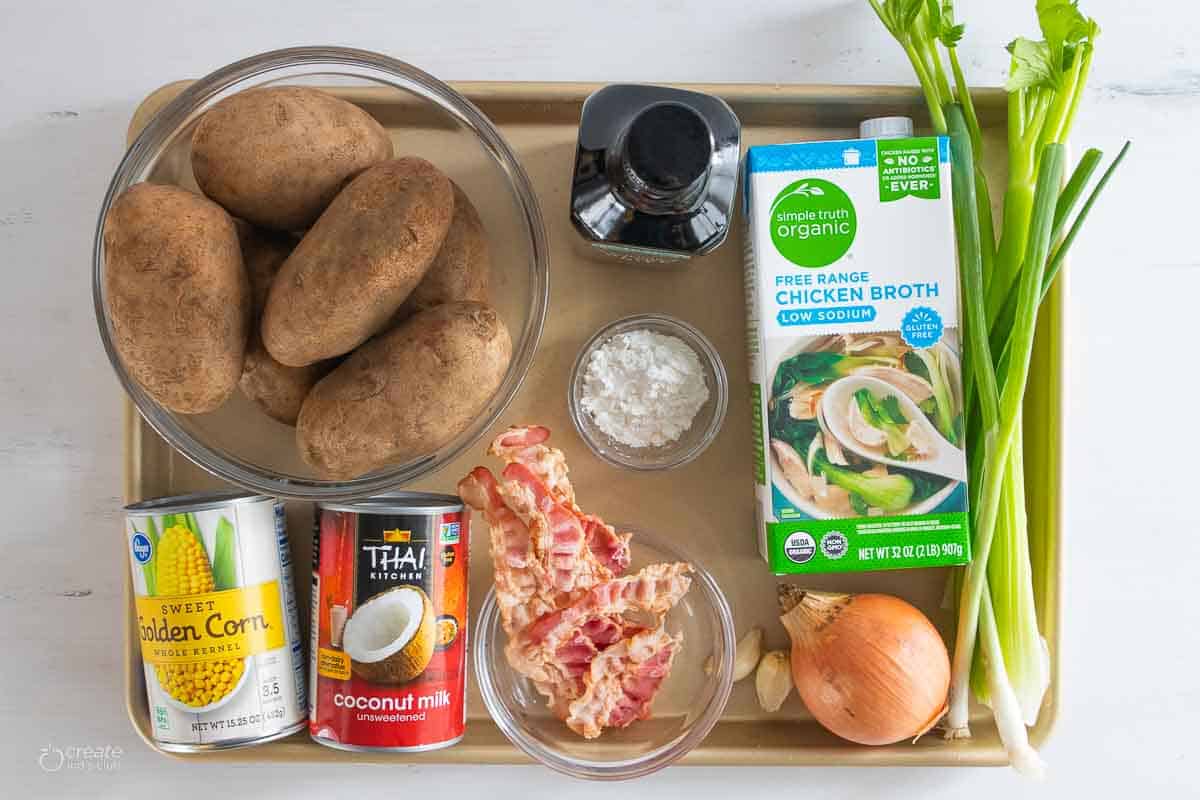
799	547
834	545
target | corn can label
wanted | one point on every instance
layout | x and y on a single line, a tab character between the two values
389	643
216	618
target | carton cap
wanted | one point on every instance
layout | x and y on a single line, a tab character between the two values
885	128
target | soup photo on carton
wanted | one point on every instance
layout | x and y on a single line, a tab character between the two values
856	378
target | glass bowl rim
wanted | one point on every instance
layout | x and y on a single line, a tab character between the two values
653	761
705	350
376	68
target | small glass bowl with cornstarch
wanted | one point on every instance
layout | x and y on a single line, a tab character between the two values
648	392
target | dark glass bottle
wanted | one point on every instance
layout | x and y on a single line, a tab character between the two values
656	171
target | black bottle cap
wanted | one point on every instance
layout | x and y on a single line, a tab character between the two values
669	146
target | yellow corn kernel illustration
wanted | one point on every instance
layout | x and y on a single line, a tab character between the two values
183	569
200	683
183	566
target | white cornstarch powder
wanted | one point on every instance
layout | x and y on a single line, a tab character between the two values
643	388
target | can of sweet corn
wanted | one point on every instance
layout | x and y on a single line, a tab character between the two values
215	615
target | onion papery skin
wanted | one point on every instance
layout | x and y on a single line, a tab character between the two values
871	668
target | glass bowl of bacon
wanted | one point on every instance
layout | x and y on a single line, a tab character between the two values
591	647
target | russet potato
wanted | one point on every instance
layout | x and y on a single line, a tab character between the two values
177	295
277	156
405	393
345	280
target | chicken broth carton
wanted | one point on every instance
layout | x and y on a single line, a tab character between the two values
853	336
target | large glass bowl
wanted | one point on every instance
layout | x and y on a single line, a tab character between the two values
427	118
687	706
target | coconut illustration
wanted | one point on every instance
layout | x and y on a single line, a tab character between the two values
391	637
447	631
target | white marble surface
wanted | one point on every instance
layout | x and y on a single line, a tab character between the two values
71	74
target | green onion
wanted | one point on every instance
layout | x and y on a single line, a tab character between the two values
1025	655
996	449
1060	252
999	651
1004	702
1074	189
1002	324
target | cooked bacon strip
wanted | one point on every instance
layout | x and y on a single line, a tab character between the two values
581	648
526	445
655	590
607	546
573	658
559	540
562	607
519	577
622	681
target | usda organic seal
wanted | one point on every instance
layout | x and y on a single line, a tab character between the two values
799	547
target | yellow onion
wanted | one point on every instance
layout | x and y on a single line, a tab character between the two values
870	667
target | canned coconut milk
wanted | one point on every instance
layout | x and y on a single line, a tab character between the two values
216	618
389	628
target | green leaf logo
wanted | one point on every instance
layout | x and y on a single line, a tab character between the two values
813	222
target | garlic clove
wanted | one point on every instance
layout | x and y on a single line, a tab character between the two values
745	657
773	680
748	652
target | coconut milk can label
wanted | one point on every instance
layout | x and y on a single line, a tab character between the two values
450	532
388	657
333	664
395	555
